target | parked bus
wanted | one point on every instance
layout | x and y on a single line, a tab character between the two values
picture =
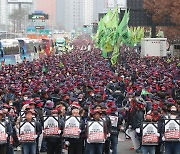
26	48
11	51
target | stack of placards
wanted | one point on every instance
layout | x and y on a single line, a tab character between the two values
72	127
149	134
96	132
27	131
51	126
172	130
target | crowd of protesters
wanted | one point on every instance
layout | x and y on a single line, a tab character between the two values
84	84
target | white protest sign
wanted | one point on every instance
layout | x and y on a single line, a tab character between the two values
72	127
96	132
27	131
3	138
172	130
149	134
51	126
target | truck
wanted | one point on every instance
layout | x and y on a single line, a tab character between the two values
154	47
175	50
60	45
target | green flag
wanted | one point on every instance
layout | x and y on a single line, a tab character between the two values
104	54
122	30
112	27
100	33
108	47
115	55
107	17
113	19
144	92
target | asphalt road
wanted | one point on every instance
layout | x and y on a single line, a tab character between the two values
123	146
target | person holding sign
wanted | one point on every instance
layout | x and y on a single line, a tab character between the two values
116	122
150	135
4	131
53	126
96	133
29	133
172	132
107	121
76	128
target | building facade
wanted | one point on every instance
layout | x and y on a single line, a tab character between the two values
5	10
70	14
88	12
6	24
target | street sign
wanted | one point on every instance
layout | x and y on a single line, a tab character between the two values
39	27
38	16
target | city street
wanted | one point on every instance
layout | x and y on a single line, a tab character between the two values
123	146
83	75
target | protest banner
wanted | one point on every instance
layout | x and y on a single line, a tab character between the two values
172	130
72	127
3	134
149	134
27	131
51	126
96	132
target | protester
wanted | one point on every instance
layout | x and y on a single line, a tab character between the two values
116	122
133	88
31	145
4	134
172	147
55	142
75	144
95	147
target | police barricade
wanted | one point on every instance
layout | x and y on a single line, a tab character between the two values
96	132
51	126
149	134
3	134
72	127
27	131
172	130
